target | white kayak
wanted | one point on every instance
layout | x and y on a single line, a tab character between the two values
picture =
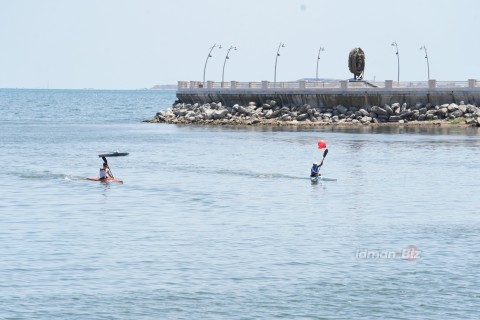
321	178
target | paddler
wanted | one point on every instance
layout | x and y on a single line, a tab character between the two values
315	171
105	172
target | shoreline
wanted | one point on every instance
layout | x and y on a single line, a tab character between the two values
274	115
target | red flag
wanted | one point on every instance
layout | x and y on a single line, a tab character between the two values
322	144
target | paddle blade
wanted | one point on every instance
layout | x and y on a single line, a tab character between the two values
325	153
321	144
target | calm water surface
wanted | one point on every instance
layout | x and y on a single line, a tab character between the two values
223	222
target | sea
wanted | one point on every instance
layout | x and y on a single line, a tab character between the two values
223	222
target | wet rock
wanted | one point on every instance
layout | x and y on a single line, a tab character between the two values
394	118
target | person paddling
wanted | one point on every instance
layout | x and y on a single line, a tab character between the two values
315	171
105	172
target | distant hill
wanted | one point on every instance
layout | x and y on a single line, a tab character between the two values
164	87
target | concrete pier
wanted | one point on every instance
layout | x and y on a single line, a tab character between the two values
330	94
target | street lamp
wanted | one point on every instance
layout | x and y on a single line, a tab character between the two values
426	57
209	56
276	58
394	43
227	57
318	59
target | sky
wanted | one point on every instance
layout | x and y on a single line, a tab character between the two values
133	44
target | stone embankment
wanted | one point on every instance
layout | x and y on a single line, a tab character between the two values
271	113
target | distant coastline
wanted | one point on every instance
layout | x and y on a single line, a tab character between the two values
164	87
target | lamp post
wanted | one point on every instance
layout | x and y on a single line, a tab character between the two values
318	59
209	56
276	58
227	57
394	43
426	57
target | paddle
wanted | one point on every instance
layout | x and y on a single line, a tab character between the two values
321	163
324	155
105	161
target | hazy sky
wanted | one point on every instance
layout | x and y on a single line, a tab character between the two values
120	44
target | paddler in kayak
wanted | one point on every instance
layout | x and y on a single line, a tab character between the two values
105	172
315	171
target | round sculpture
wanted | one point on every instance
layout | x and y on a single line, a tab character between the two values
356	63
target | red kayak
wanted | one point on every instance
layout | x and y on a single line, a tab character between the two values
105	180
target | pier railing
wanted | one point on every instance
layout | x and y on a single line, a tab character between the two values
325	85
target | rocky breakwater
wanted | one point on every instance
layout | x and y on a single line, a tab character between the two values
271	113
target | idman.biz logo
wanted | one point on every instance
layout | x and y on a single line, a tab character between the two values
409	253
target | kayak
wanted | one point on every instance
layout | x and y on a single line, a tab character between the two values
105	180
321	178
114	154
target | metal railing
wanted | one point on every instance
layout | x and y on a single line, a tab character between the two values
320	85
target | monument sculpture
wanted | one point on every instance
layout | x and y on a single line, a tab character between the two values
356	63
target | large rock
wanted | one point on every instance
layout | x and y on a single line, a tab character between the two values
276	113
442	112
388	109
406	115
379	111
302	117
472	109
180	113
209	114
394	118
243	110
452	107
365	120
341	109
220	114
304	108
457	113
364	113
